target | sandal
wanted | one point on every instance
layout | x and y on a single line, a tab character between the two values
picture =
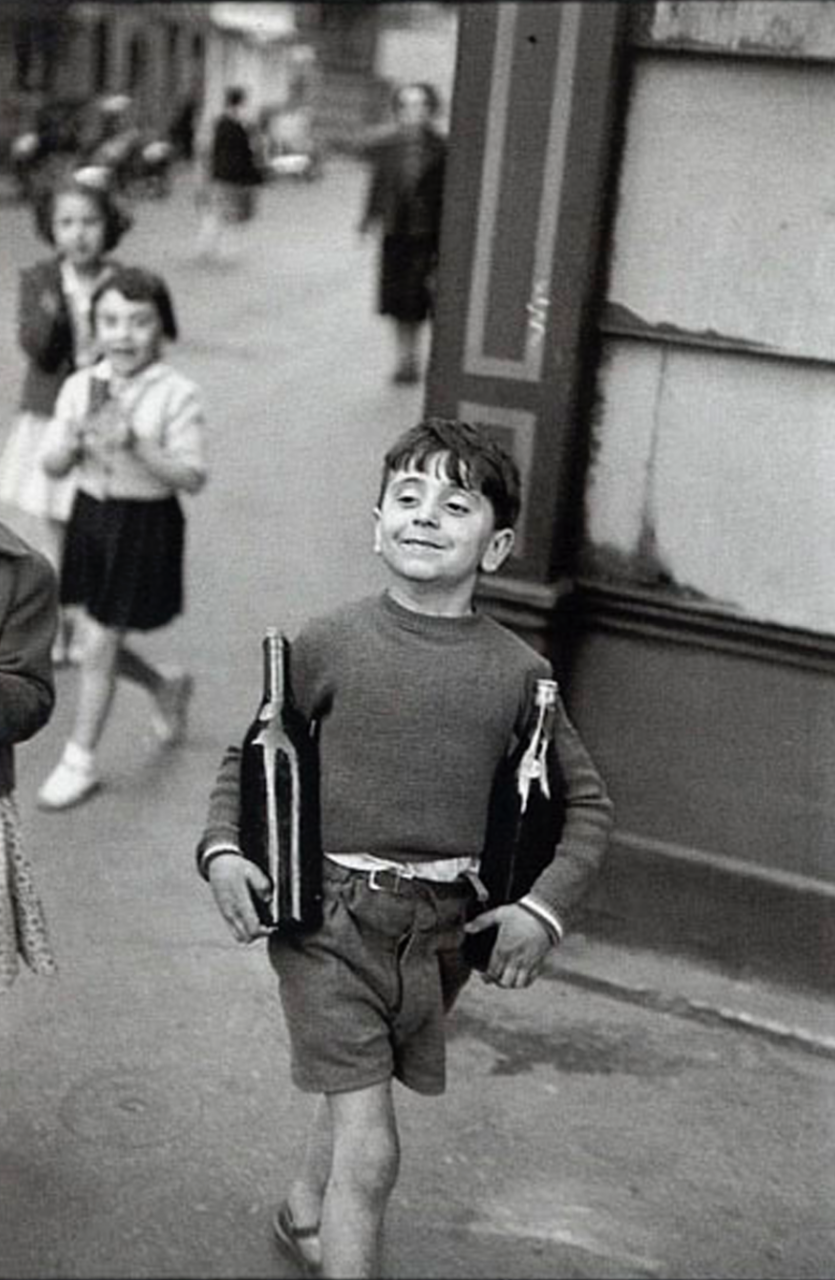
287	1237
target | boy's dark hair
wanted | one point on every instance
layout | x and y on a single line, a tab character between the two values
116	220
475	461
138	285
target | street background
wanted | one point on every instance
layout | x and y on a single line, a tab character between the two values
629	1115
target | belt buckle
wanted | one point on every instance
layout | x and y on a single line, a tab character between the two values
398	877
372	879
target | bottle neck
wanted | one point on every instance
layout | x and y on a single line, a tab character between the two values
276	673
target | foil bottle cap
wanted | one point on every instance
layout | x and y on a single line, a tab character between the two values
545	693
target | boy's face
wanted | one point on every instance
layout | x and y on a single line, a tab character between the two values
435	535
129	333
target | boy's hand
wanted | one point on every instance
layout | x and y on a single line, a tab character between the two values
521	946
234	880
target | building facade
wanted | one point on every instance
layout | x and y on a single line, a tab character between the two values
636	296
69	50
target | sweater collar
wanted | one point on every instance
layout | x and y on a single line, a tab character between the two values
430	625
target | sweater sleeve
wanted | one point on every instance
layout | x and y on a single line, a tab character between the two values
589	815
222	828
27	691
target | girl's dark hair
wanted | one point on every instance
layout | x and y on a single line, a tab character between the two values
430	93
116	220
473	459
138	285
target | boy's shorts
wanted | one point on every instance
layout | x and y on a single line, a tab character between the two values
364	996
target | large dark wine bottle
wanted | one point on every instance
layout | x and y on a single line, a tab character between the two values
279	812
525	818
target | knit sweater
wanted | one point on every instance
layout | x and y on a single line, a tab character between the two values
416	712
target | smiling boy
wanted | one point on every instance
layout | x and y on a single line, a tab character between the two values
419	698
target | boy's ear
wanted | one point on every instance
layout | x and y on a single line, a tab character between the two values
497	551
377	530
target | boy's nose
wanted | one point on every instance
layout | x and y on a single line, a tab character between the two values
427	513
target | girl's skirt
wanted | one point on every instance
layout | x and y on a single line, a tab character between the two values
23	482
123	561
23	933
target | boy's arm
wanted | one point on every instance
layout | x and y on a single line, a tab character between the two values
221	832
27	690
233	878
589	815
529	928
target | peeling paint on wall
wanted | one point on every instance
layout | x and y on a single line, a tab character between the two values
795	29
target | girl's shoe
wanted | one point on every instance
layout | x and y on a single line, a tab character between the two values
73	780
170	715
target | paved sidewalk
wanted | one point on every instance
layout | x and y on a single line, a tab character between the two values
681	986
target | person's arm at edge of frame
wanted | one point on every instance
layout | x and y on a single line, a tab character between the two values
530	928
27	687
233	878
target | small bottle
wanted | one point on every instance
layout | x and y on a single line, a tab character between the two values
279	811
525	818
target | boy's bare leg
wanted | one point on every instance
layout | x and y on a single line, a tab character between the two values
308	1191
366	1158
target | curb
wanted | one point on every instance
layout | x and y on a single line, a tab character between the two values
701	1011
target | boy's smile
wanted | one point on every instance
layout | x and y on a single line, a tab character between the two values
435	536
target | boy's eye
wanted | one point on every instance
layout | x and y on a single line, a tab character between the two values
458	506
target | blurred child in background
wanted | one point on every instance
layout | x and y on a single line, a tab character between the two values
82	223
131	430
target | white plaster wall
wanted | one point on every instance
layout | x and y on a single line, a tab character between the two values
730	463
723	464
425	50
726	213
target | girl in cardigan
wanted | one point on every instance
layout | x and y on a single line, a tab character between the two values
131	428
83	224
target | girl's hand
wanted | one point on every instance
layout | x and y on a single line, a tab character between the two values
521	947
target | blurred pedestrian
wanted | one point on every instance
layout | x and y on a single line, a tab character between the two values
229	197
28	621
83	223
183	125
419	701
404	203
132	428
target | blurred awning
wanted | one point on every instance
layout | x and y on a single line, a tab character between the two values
261	23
